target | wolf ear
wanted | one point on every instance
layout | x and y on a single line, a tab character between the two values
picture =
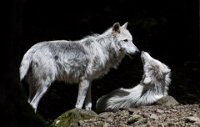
125	25
116	27
147	80
166	71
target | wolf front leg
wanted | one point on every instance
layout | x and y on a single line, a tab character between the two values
88	100
82	91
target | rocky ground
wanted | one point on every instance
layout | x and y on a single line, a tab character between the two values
148	116
145	116
163	114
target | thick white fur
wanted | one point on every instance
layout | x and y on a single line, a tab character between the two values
153	86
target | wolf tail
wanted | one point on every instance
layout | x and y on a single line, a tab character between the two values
26	61
120	98
25	64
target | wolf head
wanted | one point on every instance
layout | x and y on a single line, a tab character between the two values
154	70
123	38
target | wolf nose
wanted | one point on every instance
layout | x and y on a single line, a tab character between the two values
137	53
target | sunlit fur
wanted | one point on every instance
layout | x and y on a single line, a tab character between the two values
79	61
152	87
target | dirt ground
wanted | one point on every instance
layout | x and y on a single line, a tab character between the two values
148	116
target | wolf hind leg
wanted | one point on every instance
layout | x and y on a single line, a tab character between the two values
88	100
82	91
41	90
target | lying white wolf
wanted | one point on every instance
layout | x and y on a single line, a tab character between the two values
80	61
152	87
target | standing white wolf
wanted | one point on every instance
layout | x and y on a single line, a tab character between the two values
152	87
79	61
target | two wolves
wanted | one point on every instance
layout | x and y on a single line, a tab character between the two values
152	87
80	61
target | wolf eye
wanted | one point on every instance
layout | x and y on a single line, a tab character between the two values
125	40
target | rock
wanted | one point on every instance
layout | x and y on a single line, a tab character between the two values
133	119
154	117
167	101
192	119
145	115
141	122
71	117
159	111
161	125
171	124
167	112
106	125
107	115
173	110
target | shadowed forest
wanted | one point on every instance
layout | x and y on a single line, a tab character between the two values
168	30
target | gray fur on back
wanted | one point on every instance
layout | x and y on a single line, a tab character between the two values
71	60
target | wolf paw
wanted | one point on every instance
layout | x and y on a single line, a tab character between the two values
88	107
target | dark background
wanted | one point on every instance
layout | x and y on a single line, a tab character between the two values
167	29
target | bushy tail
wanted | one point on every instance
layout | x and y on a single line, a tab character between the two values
25	64
120	98
26	61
